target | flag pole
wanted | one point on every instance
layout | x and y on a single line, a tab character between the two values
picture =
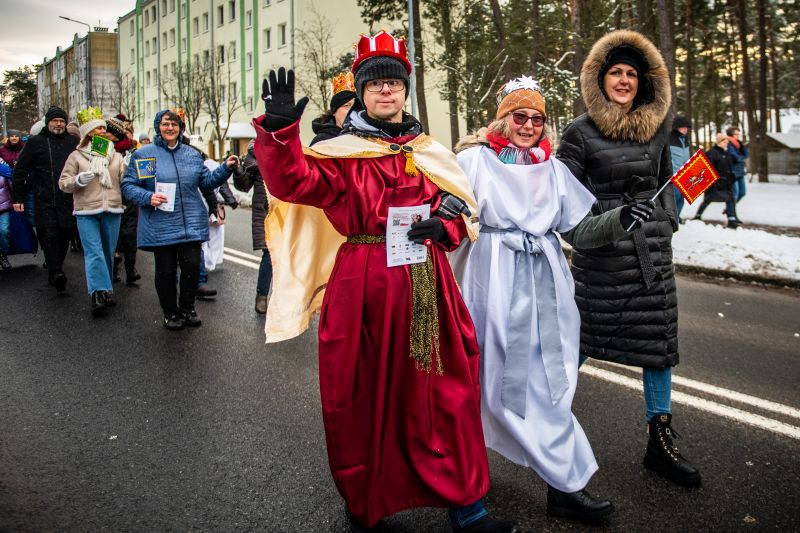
653	199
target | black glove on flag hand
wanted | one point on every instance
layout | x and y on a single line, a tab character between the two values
634	216
451	206
432	229
278	96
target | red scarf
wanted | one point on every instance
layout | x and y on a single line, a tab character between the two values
539	153
734	142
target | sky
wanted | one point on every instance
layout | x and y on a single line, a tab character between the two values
31	29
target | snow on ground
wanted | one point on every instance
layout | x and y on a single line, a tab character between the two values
744	250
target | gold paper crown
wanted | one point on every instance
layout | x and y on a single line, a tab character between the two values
89	114
343	82
180	112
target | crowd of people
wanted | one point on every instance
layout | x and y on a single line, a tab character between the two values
425	364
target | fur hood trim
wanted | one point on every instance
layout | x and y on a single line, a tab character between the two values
642	123
472	140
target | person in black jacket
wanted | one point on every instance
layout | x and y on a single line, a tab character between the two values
329	124
626	291
38	169
246	177
723	190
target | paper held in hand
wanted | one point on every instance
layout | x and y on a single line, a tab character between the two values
168	190
399	249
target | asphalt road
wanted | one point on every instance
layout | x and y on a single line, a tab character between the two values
116	424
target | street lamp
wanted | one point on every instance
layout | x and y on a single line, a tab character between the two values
3	91
88	65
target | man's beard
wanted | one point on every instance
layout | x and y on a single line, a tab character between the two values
57	130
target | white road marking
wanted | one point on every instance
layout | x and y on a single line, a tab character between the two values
243	255
234	259
721	392
708	406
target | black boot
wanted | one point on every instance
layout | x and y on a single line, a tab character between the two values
172	321
4	264
98	303
108	297
487	524
131	275
190	317
355	526
580	505
662	455
116	278
58	280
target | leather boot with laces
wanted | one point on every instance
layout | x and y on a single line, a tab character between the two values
190	317
663	457
580	505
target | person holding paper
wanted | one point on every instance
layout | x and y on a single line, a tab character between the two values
398	357
92	174
516	284
625	291
173	223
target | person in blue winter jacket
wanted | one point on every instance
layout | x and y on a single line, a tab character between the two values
738	153
5	214
173	235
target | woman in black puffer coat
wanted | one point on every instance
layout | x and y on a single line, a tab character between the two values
722	189
625	291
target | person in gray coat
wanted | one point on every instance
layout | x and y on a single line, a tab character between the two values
245	177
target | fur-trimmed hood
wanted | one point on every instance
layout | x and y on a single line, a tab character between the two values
642	123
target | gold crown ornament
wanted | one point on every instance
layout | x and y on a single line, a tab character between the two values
343	81
180	112
88	114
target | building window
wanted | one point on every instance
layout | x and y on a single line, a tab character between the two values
282	34
196	59
146	19
163	8
147	79
249	104
171	6
267	3
221	54
206	57
164	41
155	44
183	43
153	13
233	91
232	50
220	15
149	114
248	19
147	49
133	56
172	37
249	60
205	22
164	74
195	26
155	77
267	39
132	26
173	68
231	10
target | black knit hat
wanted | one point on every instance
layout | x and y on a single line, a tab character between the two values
116	128
54	112
341	98
379	67
680	122
630	55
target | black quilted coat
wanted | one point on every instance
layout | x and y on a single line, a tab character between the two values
626	290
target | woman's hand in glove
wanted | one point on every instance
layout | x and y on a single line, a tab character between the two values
634	216
278	96
431	229
84	178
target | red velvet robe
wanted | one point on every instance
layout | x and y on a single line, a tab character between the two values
397	437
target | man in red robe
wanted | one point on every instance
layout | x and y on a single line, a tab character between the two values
398	357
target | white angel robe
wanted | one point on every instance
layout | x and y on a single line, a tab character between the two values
529	201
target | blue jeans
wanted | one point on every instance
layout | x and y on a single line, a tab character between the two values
679	200
29	209
464	516
264	274
739	188
99	237
657	389
203	272
5	232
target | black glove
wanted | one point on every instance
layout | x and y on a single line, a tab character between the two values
278	96
451	207
634	216
234	205
432	229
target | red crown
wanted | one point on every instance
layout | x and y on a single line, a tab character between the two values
382	44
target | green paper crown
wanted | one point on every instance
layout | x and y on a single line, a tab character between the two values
88	114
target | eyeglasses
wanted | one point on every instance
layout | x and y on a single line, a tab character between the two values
376	86
520	119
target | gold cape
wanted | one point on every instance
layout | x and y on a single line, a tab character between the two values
303	243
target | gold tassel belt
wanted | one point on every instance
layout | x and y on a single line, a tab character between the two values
424	340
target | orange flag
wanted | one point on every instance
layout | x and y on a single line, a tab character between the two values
695	176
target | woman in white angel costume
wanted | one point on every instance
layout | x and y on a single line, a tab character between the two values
520	293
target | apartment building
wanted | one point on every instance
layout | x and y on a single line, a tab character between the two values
84	74
238	42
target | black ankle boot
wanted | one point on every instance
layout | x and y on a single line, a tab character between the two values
190	318
115	278
580	505
662	455
98	303
131	275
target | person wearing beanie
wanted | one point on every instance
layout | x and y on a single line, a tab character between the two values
398	357
329	124
724	189
528	379
10	150
144	139
618	152
739	154
38	169
92	174
679	153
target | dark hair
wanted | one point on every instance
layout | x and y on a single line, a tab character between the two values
730	131
171	116
325	117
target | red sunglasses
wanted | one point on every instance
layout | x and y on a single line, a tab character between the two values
521	118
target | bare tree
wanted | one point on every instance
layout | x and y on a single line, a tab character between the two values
185	89
125	94
318	59
220	96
